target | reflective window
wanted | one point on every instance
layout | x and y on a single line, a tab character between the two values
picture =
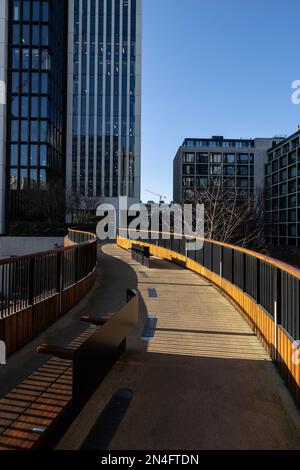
34	106
25	58
16	58
230	158
14	154
243	170
25	82
189	157
24	130
15	107
15	82
16	34
44	129
35	35
35	54
35	10
16	13
34	136
23	178
44	82
33	155
201	182
24	106
34	82
45	11
43	155
25	35
24	155
14	130
243	158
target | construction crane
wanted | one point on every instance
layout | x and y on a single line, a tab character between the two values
162	198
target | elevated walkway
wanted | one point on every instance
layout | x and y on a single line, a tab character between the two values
202	380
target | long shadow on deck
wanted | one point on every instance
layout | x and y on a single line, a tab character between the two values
107	297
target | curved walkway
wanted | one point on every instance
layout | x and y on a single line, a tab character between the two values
203	382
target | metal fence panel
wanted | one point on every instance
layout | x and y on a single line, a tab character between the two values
228	263
217	259
267	284
208	255
290	304
252	276
239	269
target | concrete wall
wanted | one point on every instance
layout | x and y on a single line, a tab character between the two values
260	159
19	246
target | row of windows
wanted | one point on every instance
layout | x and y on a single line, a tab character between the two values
31	129
29	155
34	35
282	230
293	144
27	58
30	11
283	202
229	182
39	132
242	194
38	107
283	162
283	175
30	82
283	216
199	169
283	189
229	158
24	179
218	143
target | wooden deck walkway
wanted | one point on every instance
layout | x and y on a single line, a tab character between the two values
202	382
30	409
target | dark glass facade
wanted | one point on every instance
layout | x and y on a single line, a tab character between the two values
282	205
104	98
230	169
36	129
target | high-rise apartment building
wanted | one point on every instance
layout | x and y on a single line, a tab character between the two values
72	122
282	184
104	99
233	163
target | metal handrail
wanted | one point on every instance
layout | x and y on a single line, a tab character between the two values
268	259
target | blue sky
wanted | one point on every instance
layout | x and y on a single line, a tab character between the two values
214	67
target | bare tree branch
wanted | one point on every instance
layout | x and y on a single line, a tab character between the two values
232	215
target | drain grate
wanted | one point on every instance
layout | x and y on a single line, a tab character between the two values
152	293
149	329
108	422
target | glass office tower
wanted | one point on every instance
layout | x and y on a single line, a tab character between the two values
104	99
36	111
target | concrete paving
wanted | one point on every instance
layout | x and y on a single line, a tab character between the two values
203	382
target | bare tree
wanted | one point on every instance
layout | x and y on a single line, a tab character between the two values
232	215
81	209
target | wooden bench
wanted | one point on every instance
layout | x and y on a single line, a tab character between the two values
141	254
41	408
